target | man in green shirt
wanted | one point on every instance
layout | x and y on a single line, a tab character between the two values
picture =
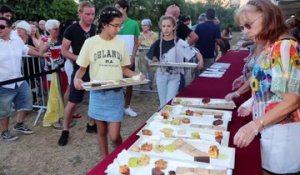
130	34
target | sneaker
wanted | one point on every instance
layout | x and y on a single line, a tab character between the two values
21	127
8	136
63	140
91	128
60	124
130	112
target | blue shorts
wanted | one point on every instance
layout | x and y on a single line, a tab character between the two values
106	105
20	96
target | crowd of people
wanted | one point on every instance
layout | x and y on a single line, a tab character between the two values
271	71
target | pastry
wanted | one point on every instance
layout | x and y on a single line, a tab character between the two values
96	84
167	132
157	171
147	132
219	136
161	164
175	122
189	112
213	151
204	159
123	169
217	122
135	149
218	116
158	148
144	160
195	135
172	173
186	120
146	147
165	115
205	100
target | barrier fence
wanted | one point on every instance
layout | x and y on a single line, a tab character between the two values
38	79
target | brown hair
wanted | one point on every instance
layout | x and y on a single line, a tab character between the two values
273	25
84	4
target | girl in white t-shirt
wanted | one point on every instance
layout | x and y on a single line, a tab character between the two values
108	58
169	48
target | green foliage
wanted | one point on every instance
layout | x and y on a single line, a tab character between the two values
43	9
153	9
139	9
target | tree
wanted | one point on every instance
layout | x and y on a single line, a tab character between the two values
43	9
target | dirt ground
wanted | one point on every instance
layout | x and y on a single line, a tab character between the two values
39	154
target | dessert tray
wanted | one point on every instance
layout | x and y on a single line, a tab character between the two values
134	163
214	103
111	84
196	112
169	64
161	130
186	150
205	121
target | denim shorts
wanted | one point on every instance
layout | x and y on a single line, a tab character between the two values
20	96
106	105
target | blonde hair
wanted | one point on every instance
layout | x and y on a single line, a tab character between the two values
173	20
272	18
84	4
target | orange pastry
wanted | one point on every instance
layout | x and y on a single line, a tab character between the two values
213	151
123	169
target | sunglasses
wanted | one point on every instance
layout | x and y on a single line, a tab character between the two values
2	27
248	26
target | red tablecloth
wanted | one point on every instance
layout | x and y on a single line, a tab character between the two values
247	161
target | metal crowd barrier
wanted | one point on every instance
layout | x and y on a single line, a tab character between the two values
38	79
39	85
142	66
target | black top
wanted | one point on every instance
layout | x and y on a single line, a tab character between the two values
155	49
183	31
77	36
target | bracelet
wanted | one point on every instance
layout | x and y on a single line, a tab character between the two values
237	94
261	121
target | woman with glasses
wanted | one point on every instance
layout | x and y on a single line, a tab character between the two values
275	84
108	59
146	39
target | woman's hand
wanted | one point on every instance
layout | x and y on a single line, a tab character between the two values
77	83
245	135
238	82
243	111
231	96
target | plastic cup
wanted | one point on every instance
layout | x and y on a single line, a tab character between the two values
55	52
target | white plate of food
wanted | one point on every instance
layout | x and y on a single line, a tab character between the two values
161	130
196	112
112	84
186	150
170	64
206	102
137	164
206	121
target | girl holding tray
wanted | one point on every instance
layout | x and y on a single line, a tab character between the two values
170	49
108	59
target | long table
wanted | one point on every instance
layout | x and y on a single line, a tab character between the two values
248	160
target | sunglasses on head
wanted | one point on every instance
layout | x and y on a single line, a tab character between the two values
248	26
3	27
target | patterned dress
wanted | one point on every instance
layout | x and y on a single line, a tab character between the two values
278	71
